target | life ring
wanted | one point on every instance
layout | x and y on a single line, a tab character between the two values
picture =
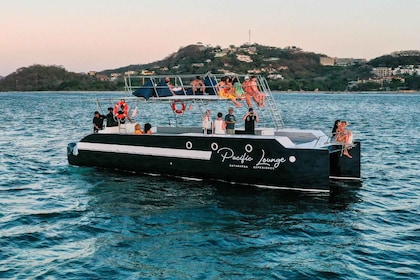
121	109
176	110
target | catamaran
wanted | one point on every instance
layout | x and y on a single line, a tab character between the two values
274	156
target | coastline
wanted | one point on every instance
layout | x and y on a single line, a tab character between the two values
346	92
274	92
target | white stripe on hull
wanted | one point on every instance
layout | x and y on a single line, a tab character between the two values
145	151
345	178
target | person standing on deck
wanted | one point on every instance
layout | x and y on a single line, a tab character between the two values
110	118
250	119
230	121
207	123
98	122
219	125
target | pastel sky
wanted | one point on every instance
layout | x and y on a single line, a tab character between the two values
84	35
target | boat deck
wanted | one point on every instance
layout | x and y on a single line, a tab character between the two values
295	138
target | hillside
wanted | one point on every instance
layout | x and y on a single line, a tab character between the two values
286	69
52	78
289	68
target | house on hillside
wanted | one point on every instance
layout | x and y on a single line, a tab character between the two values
244	58
382	72
327	61
147	72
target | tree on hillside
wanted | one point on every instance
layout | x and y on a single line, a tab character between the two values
51	78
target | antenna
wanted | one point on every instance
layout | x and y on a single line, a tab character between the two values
249	37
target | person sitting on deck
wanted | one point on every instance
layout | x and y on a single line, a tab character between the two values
226	90
345	136
258	95
137	129
249	93
170	85
198	86
334	131
237	88
147	128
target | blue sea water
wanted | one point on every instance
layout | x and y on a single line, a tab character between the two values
64	222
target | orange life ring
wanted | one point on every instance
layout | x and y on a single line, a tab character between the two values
176	110
121	109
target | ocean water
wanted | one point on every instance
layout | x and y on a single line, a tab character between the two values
64	222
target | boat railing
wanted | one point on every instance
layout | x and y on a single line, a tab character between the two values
154	88
181	83
270	102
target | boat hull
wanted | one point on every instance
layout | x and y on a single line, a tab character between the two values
237	159
343	167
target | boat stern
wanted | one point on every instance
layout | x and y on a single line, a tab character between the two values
343	167
72	153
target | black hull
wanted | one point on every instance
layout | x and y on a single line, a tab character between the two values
342	167
246	160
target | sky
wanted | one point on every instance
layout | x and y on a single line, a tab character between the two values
85	35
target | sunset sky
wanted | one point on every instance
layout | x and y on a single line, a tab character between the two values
84	35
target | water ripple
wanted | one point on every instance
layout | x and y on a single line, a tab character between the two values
61	221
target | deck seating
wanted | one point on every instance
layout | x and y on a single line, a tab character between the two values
164	91
210	84
147	90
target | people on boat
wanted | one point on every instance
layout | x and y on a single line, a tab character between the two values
198	86
237	87
207	122
110	118
251	92
170	85
121	111
147	128
230	121
226	90
334	131
98	122
138	130
250	119
122	116
260	96
345	136
219	125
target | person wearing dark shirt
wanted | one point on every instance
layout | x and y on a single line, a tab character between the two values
110	119
230	121
98	122
147	128
250	118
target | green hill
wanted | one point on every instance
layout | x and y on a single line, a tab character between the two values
286	69
52	78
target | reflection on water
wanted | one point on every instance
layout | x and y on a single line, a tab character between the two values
143	218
